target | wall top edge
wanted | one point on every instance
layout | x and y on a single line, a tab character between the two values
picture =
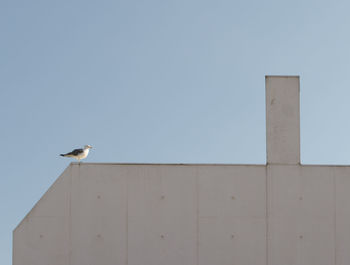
323	165
163	164
306	165
282	76
201	164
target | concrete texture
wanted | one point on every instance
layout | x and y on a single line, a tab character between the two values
282	213
282	120
301	213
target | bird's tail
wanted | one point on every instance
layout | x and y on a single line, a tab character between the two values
62	155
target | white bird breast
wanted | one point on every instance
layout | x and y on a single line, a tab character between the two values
83	154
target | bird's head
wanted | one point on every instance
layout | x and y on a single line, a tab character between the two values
87	146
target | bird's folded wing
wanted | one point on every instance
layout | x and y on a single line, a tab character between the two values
76	152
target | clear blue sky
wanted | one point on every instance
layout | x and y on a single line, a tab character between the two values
161	81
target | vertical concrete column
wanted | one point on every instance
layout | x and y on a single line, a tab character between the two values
282	120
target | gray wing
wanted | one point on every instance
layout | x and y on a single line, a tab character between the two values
76	152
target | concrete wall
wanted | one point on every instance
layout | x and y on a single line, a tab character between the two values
43	236
190	214
282	120
281	213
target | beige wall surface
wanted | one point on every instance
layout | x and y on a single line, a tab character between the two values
282	120
190	214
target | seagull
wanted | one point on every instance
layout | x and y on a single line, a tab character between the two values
79	154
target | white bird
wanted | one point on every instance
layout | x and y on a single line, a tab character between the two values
79	154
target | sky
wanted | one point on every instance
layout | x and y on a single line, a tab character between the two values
161	82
